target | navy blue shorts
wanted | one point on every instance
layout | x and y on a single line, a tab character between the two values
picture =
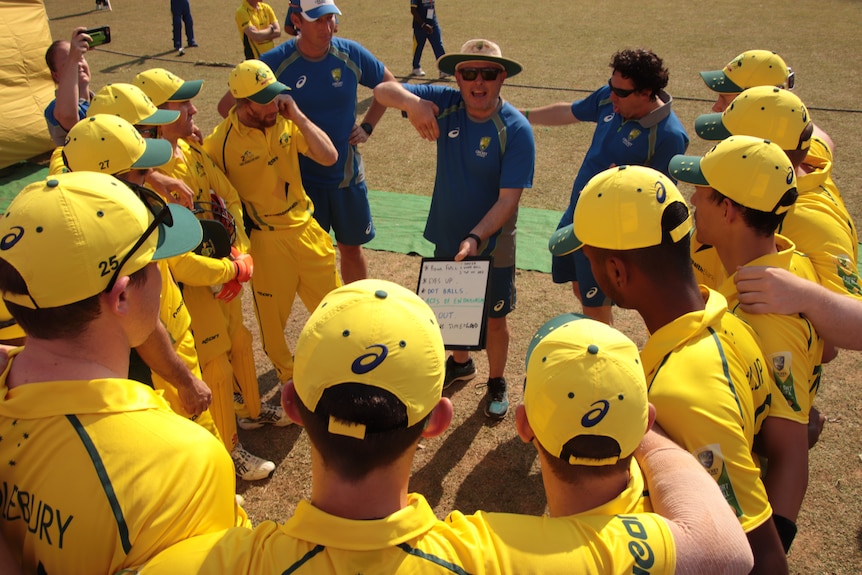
344	210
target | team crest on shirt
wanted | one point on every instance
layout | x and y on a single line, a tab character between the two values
483	146
627	140
847	272
247	157
781	364
284	140
706	458
336	77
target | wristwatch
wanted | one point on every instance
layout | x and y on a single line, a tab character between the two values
367	127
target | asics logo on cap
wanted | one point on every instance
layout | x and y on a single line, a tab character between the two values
595	416
368	361
660	192
10	239
789	175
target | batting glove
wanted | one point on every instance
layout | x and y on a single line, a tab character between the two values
229	291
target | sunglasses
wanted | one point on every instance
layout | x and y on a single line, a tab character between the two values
621	92
148	131
488	74
161	214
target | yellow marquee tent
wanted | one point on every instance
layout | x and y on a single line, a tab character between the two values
26	87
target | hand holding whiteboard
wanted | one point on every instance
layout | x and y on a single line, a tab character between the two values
458	294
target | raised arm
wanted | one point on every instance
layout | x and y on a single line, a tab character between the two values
836	317
421	113
71	85
320	147
559	114
708	537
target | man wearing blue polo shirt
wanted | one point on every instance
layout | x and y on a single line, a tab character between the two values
485	158
634	126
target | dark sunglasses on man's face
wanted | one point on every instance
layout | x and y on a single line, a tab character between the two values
621	92
161	214
488	74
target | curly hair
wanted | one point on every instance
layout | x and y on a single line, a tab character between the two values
643	67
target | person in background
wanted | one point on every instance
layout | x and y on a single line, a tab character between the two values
426	28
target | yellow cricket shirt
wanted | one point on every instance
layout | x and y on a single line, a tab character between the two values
260	18
701	369
101	475
792	348
264	167
413	540
821	227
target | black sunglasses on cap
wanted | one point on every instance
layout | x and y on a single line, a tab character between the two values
488	74
620	92
159	208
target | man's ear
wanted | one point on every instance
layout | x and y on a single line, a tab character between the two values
118	298
617	271
440	418
522	424
289	399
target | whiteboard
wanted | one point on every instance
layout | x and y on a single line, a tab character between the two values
458	293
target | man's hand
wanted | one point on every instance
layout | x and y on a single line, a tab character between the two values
78	45
427	28
357	135
287	107
469	247
769	290
171	189
195	396
229	290
423	115
244	265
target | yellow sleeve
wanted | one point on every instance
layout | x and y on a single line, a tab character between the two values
195	270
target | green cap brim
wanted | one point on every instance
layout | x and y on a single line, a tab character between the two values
711	127
187	91
717	81
564	241
160	118
158	153
448	62
269	93
687	169
181	237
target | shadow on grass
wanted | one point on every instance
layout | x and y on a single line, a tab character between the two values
135	61
76	15
429	480
502	482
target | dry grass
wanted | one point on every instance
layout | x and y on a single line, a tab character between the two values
565	48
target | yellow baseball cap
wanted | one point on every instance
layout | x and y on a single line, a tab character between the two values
254	80
621	209
749	69
162	86
111	145
763	112
585	378
375	333
65	235
131	104
751	171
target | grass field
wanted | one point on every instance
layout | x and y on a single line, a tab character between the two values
565	48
